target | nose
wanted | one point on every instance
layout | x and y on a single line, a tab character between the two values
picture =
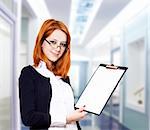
58	47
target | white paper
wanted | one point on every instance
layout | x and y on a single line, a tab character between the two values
99	89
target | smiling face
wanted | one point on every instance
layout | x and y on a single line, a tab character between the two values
55	45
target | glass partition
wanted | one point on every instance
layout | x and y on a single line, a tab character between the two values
5	74
135	91
8	3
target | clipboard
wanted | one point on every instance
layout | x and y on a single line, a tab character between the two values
100	87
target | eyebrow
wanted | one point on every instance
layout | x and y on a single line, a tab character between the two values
57	40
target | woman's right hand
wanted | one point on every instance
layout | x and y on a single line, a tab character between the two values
77	115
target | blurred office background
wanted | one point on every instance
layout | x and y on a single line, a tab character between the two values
102	31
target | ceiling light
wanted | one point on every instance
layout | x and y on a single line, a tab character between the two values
82	15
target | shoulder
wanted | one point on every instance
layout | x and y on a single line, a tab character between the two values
26	69
29	72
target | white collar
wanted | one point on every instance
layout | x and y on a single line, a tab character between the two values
42	69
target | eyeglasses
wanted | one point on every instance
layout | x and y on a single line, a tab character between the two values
55	44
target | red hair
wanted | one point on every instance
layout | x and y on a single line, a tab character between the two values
60	67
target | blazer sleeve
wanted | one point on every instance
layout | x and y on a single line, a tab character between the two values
30	117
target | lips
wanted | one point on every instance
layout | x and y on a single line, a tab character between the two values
55	53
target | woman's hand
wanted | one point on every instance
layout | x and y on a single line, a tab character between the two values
77	115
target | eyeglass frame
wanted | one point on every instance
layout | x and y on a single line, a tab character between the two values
61	45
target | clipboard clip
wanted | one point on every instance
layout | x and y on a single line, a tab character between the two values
111	66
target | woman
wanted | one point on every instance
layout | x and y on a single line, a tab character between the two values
46	97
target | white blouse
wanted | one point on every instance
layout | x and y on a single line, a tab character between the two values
62	102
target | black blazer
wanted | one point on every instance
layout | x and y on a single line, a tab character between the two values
35	94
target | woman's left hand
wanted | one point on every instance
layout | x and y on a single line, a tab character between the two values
77	115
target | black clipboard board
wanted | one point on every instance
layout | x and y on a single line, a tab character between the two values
100	87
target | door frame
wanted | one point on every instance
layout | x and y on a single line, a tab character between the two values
10	18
